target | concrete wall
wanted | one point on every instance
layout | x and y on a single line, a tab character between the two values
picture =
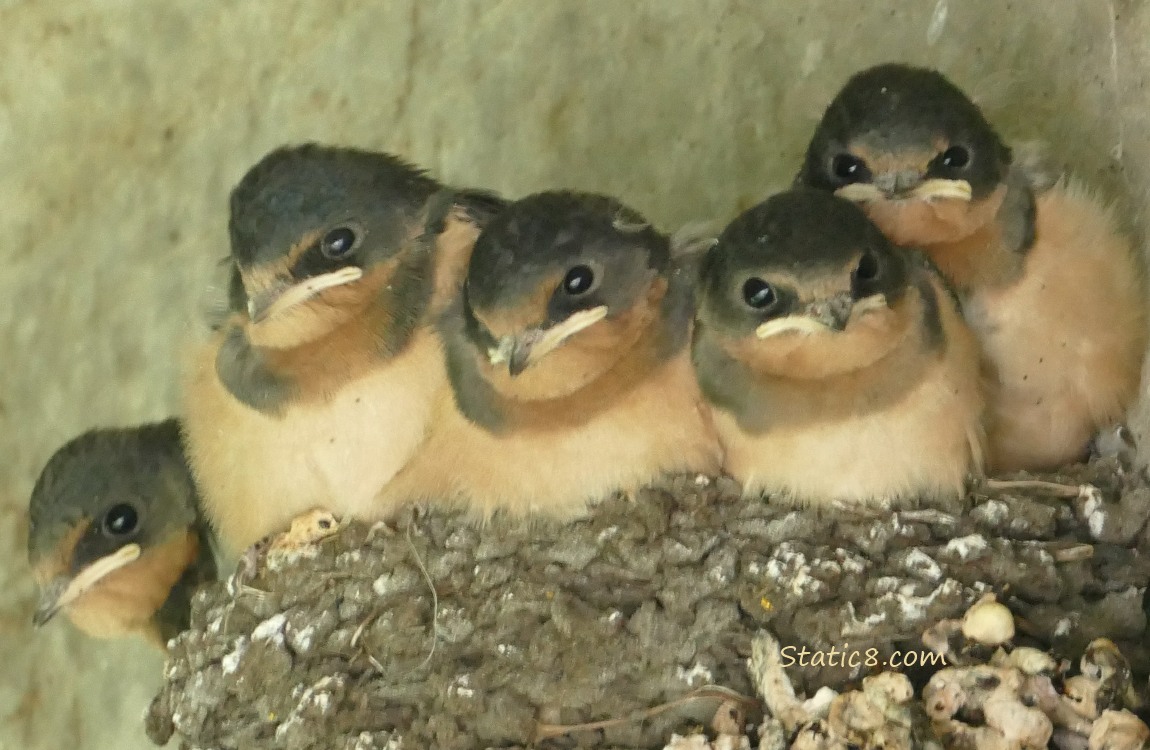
123	124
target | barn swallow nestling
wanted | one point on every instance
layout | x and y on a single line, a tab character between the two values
838	364
320	385
568	362
116	540
1051	288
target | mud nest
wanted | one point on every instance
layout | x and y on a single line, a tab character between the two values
609	632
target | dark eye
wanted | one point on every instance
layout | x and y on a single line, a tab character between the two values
868	267
578	280
848	168
758	293
121	520
955	157
338	242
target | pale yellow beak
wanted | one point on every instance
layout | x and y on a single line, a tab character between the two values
280	299
823	316
527	348
927	190
63	591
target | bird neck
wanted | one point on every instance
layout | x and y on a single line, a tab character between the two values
994	254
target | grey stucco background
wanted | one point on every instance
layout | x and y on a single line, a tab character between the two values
123	123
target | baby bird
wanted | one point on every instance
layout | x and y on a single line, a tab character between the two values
319	387
927	167
838	365
115	539
568	361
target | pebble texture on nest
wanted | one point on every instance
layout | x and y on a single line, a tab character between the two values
645	601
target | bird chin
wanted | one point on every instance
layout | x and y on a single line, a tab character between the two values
296	294
64	591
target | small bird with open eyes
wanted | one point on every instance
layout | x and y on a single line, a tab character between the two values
838	365
568	361
116	539
1054	292
320	385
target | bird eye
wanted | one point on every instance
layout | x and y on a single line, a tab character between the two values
868	267
338	242
848	168
121	520
955	157
578	280
758	293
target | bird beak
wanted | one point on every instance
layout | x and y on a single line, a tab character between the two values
527	348
819	316
905	186
281	297
62	590
930	190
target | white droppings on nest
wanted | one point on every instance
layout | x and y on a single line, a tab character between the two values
967	547
793	567
719	575
1095	515
854	626
886	585
283	559
393	582
271	628
1062	627
994	511
754	568
804	583
700	742
287	725
301	640
366	741
819	704
696	675
508	649
608	533
349	559
918	562
850	563
231	660
461	687
702	480
914	608
689	742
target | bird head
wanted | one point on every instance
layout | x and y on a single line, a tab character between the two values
802	285
107	505
560	286
317	236
912	148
